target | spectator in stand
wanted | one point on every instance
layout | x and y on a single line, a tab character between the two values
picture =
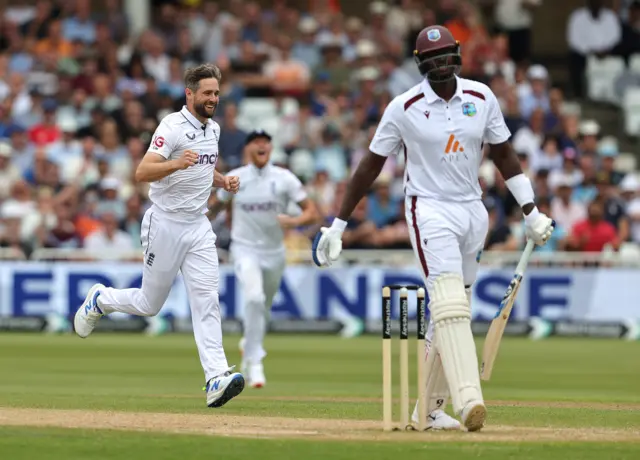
549	157
587	190
305	49
591	30
566	211
332	66
398	80
529	138
382	207
80	26
468	29
511	111
9	173
614	207
608	152
555	113
47	132
54	42
109	198
132	219
232	138
288	76
589	136
109	239
498	61
569	173
323	191
538	97
593	234
515	17
630	41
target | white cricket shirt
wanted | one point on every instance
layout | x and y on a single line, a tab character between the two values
187	190
264	193
442	141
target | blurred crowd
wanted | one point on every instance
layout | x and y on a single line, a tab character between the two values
80	96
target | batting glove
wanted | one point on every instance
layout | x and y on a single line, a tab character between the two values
539	227
327	245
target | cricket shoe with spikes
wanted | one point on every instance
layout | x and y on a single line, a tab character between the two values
473	415
437	420
89	313
224	387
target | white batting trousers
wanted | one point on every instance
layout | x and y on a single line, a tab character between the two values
259	274
446	238
175	242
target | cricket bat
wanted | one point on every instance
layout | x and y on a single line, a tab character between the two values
496	329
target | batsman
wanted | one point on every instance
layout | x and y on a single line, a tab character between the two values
440	126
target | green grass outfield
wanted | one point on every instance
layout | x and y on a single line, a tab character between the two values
131	396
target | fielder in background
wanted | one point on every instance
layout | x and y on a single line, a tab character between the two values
176	233
441	126
258	224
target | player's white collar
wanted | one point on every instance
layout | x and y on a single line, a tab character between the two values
197	124
260	171
430	94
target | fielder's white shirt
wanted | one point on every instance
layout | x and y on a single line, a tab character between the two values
187	190
441	141
264	193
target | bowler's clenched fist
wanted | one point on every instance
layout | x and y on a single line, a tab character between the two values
231	184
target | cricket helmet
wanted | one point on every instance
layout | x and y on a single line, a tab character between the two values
437	54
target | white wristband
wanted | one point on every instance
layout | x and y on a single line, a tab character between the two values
339	224
521	189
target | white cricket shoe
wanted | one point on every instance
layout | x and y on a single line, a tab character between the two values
254	373
226	386
437	420
89	313
473	415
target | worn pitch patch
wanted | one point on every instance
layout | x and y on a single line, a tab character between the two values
220	424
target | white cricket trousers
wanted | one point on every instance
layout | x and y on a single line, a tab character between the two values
259	274
175	242
447	237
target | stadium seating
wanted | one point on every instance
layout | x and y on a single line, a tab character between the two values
601	77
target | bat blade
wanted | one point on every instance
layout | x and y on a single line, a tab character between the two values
495	332
499	323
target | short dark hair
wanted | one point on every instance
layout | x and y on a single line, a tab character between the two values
193	75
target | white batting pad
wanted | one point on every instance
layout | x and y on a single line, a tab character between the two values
451	313
437	386
436	382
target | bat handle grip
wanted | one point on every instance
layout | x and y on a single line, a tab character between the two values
526	255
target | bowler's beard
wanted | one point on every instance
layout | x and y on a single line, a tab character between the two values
202	111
